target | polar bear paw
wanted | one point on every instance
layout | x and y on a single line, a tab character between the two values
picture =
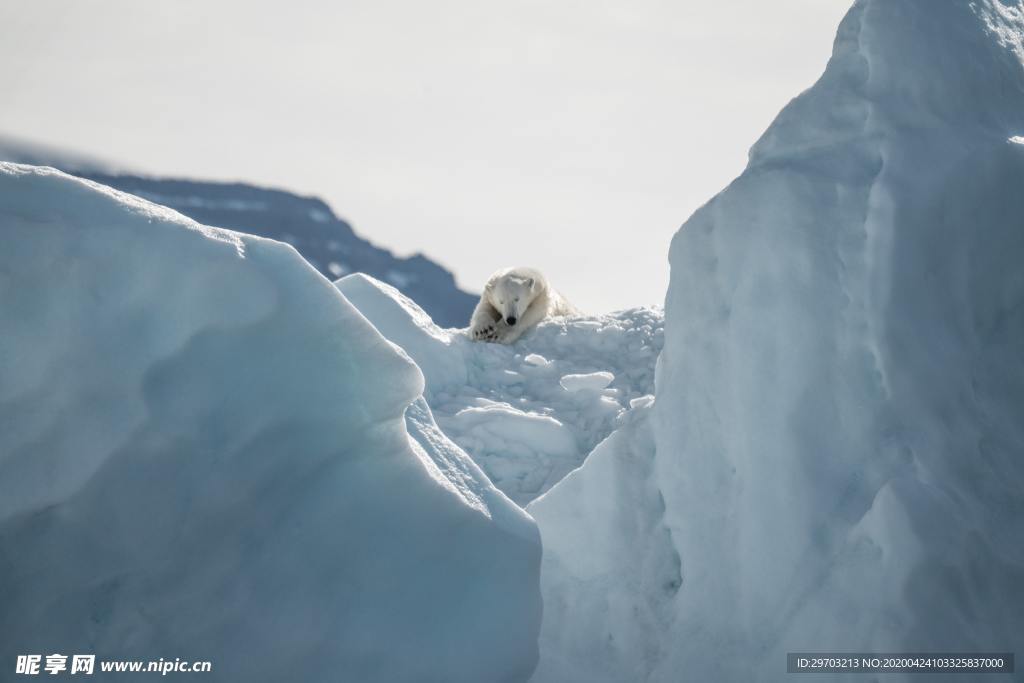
487	332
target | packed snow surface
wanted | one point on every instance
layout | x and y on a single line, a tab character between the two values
527	413
206	452
835	457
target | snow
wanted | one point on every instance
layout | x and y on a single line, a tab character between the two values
590	585
400	279
207	452
832	462
307	223
590	381
528	413
320	216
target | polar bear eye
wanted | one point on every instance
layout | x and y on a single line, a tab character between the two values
517	298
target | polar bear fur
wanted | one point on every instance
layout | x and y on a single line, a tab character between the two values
513	301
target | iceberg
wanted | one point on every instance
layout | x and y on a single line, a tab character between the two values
835	450
207	453
527	414
208	450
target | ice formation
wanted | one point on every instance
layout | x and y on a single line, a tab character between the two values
206	452
834	460
528	414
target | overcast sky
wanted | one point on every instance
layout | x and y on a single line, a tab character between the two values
574	136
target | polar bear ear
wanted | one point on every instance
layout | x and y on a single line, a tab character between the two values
529	283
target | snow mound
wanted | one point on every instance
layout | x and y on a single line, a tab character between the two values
528	413
206	452
839	422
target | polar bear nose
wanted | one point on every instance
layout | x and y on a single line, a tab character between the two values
511	320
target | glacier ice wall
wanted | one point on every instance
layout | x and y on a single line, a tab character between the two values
841	399
204	455
839	421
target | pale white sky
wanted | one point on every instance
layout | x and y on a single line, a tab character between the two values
574	136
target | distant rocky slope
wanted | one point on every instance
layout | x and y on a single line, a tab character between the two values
307	223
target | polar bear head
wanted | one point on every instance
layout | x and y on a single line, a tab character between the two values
511	294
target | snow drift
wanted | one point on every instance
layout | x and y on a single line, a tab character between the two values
204	454
837	444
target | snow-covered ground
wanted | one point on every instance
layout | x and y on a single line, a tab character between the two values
207	453
528	413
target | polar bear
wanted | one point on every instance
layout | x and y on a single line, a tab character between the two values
513	301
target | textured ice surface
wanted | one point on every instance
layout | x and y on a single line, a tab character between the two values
593	581
838	435
591	381
528	413
207	453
